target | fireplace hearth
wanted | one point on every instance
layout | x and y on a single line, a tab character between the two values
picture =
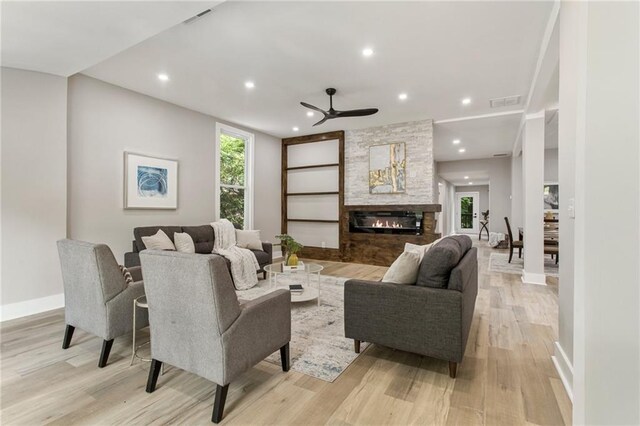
386	222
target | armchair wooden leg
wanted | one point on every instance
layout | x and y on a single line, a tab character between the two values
519	253
356	346
510	252
218	406
154	371
285	358
68	334
453	367
104	355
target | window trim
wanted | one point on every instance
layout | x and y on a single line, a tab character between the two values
249	139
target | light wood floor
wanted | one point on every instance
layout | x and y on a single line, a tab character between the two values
507	376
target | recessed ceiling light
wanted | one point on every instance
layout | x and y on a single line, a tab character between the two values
466	177
249	85
402	96
456	141
470	183
295	129
309	113
367	51
163	77
466	101
461	150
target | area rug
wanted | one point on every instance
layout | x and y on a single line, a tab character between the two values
318	347
499	262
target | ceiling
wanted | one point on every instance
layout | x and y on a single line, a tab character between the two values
470	177
63	38
481	138
436	52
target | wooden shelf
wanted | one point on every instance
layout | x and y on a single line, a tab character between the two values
289	194
313	220
314	166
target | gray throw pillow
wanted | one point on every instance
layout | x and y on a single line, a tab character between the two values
438	262
465	243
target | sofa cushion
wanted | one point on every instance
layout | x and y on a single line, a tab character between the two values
465	243
248	239
202	237
262	257
404	270
438	262
147	231
184	242
158	241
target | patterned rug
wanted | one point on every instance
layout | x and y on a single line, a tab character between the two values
499	262
318	346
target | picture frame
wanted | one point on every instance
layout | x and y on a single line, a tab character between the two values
551	194
150	182
387	168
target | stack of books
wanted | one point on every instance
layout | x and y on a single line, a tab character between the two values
296	289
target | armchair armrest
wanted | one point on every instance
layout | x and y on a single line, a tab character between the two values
416	319
263	327
268	248
136	272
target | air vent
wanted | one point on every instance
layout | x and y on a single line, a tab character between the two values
500	155
198	16
506	101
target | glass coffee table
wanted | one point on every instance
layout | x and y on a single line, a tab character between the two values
310	291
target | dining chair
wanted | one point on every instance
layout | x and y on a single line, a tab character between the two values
513	243
97	298
198	325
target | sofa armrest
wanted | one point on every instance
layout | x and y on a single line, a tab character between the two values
417	319
264	325
268	248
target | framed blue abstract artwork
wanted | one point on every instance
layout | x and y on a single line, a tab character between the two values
150	182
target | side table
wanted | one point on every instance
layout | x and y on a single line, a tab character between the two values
483	227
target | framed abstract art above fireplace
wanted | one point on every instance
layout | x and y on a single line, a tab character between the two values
150	182
387	167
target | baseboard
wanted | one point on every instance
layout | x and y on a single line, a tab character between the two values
30	307
564	368
532	278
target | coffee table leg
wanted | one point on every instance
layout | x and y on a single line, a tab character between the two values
133	346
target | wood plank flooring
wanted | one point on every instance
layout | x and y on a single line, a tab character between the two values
506	378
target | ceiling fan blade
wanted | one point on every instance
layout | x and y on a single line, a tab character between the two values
315	108
356	112
326	117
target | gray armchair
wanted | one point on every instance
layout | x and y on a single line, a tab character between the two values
97	298
198	325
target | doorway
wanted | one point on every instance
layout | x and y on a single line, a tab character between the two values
467	209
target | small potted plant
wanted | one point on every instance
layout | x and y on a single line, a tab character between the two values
485	216
290	248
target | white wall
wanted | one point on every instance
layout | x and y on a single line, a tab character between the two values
34	189
106	120
600	49
499	170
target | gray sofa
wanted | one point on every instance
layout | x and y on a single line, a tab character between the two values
203	237
432	317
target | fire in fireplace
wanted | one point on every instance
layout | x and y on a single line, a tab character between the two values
386	222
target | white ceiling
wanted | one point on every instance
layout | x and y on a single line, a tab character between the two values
436	52
481	138
476	177
63	38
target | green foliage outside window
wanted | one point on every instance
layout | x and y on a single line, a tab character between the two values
232	173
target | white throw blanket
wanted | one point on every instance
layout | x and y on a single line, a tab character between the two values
243	262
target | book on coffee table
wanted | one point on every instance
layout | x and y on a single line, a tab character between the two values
296	288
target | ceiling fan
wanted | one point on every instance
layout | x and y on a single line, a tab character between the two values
332	113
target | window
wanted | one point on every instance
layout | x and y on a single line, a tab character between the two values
234	176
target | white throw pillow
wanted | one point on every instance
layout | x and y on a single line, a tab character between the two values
248	239
184	242
159	241
421	250
404	270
